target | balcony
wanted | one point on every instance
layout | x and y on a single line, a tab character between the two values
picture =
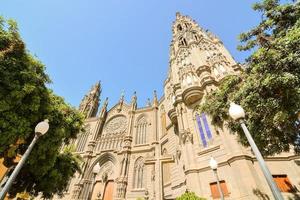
192	93
206	79
173	115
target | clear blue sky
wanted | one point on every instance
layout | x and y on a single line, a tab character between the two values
123	43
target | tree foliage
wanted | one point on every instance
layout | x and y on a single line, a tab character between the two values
24	101
189	196
269	88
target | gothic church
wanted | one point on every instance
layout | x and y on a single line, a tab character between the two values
163	150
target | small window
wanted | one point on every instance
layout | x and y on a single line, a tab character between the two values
215	192
179	27
182	42
283	183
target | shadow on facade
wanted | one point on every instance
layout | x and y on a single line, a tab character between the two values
260	194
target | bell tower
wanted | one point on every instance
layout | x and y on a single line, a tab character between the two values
90	102
198	61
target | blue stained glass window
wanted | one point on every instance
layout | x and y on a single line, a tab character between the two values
208	132
202	136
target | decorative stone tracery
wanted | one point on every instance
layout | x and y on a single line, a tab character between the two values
116	125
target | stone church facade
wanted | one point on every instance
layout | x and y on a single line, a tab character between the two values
163	150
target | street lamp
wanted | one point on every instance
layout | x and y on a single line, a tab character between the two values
214	166
96	170
237	113
40	129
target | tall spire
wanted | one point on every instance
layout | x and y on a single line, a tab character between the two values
90	102
103	110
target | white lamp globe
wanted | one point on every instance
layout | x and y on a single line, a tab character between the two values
96	169
42	127
213	163
236	111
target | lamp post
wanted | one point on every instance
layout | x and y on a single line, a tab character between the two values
96	170
40	129
236	112
214	166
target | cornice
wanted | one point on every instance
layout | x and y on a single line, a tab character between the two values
242	157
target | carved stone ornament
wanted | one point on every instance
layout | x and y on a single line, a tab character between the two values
104	177
178	154
187	137
116	125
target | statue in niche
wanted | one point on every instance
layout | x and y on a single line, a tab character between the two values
104	177
134	101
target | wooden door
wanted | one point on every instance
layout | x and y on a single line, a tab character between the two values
109	189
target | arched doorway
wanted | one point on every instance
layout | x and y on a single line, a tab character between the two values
108	191
104	187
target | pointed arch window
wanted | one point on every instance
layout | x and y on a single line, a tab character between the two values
138	181
82	140
182	42
219	69
222	69
179	27
216	72
204	129
141	131
166	169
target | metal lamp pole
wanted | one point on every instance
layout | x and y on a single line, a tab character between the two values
238	113
40	129
214	166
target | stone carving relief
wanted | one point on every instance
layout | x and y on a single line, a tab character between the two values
216	58
187	137
182	55
107	171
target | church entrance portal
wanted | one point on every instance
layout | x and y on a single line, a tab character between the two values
108	192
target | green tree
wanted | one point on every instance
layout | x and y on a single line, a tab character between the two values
189	196
269	87
25	100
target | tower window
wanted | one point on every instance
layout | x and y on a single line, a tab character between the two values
179	27
283	183
204	129
182	42
215	192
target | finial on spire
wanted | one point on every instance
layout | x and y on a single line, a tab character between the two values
98	83
121	101
134	101
105	104
155	100
122	95
104	108
148	104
